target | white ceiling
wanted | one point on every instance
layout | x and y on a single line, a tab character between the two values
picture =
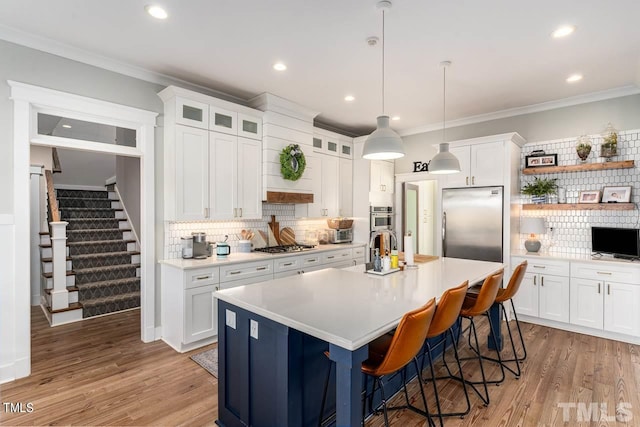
502	53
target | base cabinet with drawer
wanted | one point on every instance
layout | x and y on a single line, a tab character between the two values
189	315
544	291
600	299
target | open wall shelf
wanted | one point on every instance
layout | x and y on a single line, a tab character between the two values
580	207
624	164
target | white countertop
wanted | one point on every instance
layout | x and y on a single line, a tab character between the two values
238	257
573	257
348	307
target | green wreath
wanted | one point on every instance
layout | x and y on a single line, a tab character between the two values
292	162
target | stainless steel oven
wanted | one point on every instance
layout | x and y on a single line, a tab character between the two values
381	218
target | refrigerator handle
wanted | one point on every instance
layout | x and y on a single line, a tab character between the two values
444	234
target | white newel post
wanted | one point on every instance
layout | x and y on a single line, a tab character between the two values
59	294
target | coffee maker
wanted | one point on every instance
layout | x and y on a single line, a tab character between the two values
200	245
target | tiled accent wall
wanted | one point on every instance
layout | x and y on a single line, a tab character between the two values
572	228
216	230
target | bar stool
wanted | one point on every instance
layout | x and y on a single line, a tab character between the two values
478	305
504	295
390	354
447	313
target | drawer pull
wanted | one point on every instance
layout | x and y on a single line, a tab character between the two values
331	257
608	289
598	287
287	264
312	260
345	254
606	273
260	268
203	277
235	272
539	266
542	281
535	280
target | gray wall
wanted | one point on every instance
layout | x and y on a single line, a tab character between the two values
590	118
84	168
128	183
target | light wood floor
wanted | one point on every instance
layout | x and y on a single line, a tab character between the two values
98	372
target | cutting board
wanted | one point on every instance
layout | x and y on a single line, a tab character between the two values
417	258
260	239
274	227
287	236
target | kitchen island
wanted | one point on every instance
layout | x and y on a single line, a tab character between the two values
272	336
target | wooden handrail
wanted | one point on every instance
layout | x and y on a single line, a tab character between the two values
51	194
57	168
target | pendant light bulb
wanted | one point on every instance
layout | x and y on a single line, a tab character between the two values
383	143
444	162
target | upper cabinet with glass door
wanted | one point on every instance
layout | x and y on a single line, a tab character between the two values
192	113
331	143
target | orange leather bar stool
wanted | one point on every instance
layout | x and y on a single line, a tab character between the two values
447	313
390	354
503	296
478	305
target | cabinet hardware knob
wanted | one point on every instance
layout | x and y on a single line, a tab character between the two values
302	271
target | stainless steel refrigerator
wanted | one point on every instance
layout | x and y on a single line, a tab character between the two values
472	225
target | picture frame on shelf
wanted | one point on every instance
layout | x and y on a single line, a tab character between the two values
589	196
620	194
536	161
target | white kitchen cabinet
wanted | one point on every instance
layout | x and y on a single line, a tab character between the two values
191	173
345	187
191	113
600	300
544	291
346	149
223	120
481	165
257	271
189	317
382	177
323	169
249	126
235	177
201	314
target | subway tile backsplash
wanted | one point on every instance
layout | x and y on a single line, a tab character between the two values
216	230
572	229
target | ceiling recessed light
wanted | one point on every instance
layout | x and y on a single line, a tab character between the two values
66	126
349	98
574	78
279	66
156	11
395	118
563	31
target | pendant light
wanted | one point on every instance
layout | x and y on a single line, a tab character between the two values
444	162
383	143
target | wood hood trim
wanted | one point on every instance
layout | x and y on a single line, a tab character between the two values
283	197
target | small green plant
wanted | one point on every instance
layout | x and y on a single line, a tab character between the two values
540	187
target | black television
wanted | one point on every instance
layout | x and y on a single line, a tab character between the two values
621	242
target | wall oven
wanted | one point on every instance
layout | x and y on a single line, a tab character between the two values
381	218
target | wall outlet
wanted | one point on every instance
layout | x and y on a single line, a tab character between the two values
253	329
231	319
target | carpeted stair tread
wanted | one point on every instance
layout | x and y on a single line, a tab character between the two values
127	280
104	254
96	301
93	194
86	198
105	268
99	306
108	288
88	243
103	230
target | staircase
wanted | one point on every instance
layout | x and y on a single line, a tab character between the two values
103	261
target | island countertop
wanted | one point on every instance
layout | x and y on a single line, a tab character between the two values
348	307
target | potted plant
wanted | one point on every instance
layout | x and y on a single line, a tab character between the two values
539	189
609	146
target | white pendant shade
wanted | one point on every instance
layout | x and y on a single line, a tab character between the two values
383	143
444	162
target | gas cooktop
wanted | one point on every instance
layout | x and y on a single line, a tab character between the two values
285	249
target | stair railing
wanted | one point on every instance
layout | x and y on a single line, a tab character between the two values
58	237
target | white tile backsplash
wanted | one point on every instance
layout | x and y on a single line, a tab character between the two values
572	229
216	230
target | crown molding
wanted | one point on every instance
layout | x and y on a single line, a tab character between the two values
527	109
80	55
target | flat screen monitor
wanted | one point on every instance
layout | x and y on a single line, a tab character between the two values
621	242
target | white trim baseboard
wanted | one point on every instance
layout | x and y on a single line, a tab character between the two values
110	180
79	187
126	214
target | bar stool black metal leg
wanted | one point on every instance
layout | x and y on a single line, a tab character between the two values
524	348
433	376
464	384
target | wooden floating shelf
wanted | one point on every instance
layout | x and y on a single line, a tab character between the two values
580	207
624	164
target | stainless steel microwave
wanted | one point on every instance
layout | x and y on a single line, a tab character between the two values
381	218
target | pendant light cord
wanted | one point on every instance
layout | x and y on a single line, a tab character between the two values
444	100
383	62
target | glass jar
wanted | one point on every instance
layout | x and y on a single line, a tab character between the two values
583	147
609	146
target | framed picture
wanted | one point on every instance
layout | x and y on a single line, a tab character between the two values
589	196
538	161
616	194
